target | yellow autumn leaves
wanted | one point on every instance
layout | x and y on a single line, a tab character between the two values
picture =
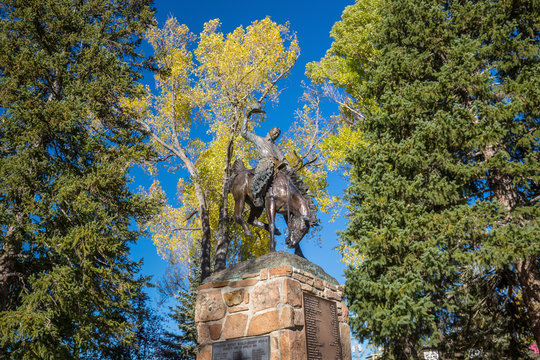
245	64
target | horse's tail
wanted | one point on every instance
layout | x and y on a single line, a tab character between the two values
237	167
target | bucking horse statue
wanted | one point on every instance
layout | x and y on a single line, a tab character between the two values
282	196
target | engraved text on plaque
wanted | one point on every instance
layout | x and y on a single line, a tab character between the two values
322	329
255	348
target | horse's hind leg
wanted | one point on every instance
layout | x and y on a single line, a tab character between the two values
271	215
238	208
253	219
254	214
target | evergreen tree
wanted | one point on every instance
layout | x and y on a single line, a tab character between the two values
67	283
147	335
183	345
444	200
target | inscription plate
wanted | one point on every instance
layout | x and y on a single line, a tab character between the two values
254	348
322	329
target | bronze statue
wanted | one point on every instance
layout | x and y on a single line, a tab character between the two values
282	197
273	185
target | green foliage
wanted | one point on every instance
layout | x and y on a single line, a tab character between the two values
147	335
444	199
183	346
67	283
352	50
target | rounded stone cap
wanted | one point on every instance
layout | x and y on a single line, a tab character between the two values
270	260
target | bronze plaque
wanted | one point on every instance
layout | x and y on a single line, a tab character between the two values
254	348
322	329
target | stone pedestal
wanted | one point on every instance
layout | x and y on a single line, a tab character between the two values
280	299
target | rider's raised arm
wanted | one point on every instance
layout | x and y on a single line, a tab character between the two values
244	129
246	134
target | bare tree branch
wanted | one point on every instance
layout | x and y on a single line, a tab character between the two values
191	215
186	229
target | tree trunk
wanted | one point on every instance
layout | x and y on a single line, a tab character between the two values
528	271
206	237
224	221
8	275
206	233
223	237
529	278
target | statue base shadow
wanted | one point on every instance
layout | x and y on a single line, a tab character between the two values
275	307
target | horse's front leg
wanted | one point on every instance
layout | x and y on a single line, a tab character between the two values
271	215
253	219
298	251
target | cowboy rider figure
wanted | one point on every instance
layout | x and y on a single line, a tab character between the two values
270	156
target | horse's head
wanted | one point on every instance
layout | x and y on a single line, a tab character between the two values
298	228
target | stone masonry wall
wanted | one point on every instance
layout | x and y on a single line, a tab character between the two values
269	302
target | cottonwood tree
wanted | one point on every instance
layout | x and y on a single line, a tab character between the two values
213	83
444	210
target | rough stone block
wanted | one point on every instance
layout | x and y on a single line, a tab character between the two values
330	286
329	294
344	313
249	276
319	284
238	309
263	274
234	297
215	331
235	326
299	317
292	292
274	346
292	345
243	283
306	274
203	333
284	270
210	306
265	295
205	353
219	284
264	323
286	318
303	279
205	286
308	288
345	337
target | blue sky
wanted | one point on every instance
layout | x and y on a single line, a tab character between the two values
312	22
